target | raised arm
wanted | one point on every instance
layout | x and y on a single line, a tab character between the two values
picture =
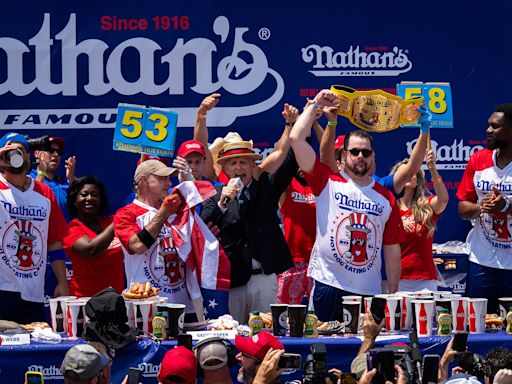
327	144
440	200
304	153
201	132
404	173
272	162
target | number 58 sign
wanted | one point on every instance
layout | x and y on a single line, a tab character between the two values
437	96
145	130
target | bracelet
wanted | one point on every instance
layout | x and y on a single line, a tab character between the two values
41	173
437	180
201	116
507	204
332	123
315	106
289	124
146	238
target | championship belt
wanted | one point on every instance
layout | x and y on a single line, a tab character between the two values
376	110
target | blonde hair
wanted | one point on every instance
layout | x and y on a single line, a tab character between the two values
421	209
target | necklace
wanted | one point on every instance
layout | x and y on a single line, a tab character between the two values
24	186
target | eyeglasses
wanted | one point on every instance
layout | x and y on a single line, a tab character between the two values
356	151
258	361
55	150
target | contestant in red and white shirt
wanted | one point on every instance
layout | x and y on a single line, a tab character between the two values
146	234
357	219
31	231
419	212
484	194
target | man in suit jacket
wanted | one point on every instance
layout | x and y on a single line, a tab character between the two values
249	227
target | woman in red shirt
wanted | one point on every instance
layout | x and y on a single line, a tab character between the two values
95	254
419	211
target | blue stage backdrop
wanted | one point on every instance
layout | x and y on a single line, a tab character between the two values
64	67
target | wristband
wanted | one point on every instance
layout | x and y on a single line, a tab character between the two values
56	254
437	180
201	116
424	129
41	173
507	204
146	238
333	123
315	106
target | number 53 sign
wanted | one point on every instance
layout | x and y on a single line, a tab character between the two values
145	130
437	96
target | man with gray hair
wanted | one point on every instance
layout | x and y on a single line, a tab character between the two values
82	365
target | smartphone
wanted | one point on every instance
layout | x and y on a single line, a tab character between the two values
384	361
430	367
133	375
185	340
348	378
289	361
33	377
465	360
459	342
377	309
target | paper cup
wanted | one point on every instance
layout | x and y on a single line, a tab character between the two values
143	312
75	310
477	308
130	312
279	315
57	314
296	317
424	311
407	311
459	314
176	319
351	311
426	295
393	313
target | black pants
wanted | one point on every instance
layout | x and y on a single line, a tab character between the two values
14	308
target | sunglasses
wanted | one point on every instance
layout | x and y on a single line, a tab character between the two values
55	150
356	151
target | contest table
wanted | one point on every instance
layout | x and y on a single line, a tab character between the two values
147	354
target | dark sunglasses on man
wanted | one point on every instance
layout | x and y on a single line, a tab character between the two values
356	151
58	151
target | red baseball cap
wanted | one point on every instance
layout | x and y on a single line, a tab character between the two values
258	345
57	140
178	363
190	146
339	142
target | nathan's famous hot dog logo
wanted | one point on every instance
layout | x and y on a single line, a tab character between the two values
354	243
23	250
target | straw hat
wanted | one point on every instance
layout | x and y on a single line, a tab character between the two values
237	149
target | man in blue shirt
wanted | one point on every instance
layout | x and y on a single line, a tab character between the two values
48	162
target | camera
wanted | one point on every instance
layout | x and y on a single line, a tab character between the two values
315	366
472	363
41	143
384	360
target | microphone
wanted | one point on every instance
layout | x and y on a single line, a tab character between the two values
236	182
416	353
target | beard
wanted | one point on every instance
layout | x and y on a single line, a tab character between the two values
493	143
359	169
246	376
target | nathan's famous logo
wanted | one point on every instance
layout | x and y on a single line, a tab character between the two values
166	270
452	156
354	243
23	249
356	61
242	71
496	228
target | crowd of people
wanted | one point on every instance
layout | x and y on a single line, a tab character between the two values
345	230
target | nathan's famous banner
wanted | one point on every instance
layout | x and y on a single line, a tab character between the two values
65	66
